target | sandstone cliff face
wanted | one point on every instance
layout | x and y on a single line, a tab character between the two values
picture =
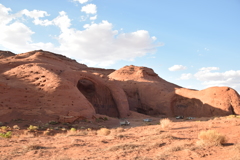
147	93
44	86
212	101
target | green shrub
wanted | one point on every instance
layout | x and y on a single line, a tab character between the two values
32	128
4	128
73	129
6	135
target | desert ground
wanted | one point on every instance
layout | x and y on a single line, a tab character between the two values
177	139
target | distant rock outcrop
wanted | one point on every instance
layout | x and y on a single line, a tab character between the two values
41	85
4	54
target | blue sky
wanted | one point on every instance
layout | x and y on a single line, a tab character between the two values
195	44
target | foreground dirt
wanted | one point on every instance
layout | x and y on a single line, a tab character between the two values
138	141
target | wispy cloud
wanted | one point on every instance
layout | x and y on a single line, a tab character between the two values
177	68
206	49
81	1
186	76
209	77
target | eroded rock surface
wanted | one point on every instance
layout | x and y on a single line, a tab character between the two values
40	85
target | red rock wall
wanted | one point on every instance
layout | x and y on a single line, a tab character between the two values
44	86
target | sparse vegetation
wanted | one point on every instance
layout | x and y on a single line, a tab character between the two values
4	128
103	132
6	135
165	136
165	123
125	147
236	152
32	128
127	142
16	127
73	129
211	138
53	122
33	147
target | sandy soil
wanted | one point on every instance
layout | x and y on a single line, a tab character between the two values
138	141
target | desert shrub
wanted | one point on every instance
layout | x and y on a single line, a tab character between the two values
30	147
103	131
6	135
119	129
165	123
74	132
175	148
165	136
211	138
16	127
231	116
32	128
127	146
236	152
73	129
4	128
47	132
53	122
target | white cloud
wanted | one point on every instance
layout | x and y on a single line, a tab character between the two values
5	18
97	44
35	13
206	49
177	68
16	34
206	74
81	1
45	22
62	21
186	76
228	78
93	18
89	9
100	44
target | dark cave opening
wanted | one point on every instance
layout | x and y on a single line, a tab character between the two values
99	96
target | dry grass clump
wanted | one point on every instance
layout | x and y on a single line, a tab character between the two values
165	123
32	147
176	148
126	146
211	138
103	132
119	129
77	133
236	152
166	136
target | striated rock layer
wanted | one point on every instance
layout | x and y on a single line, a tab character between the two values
41	85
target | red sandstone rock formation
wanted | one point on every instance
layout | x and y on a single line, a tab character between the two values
45	86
